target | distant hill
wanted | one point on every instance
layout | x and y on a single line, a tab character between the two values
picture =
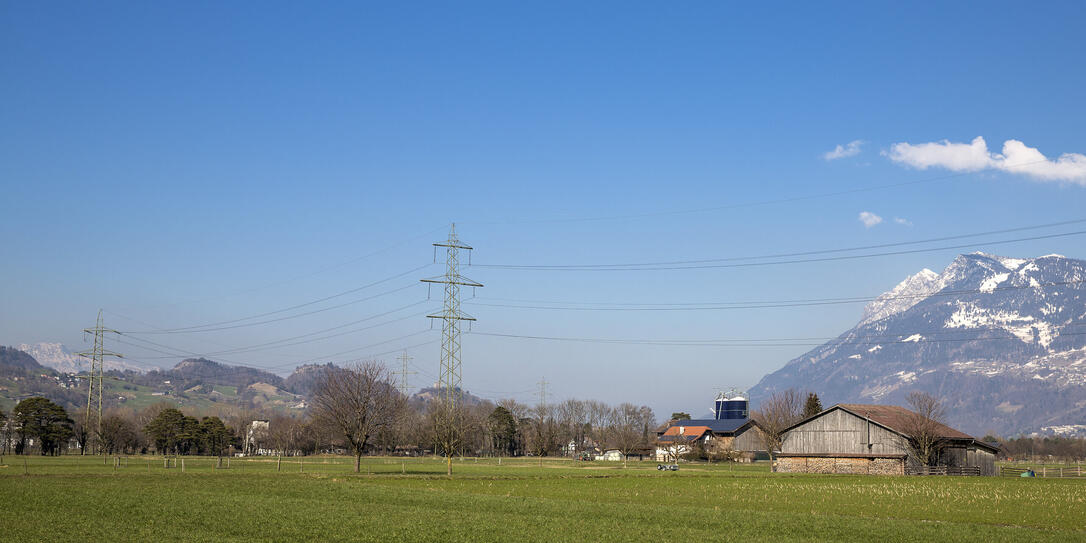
15	361
193	383
305	378
21	376
1002	340
201	371
429	394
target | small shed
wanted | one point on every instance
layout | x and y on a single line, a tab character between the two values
874	439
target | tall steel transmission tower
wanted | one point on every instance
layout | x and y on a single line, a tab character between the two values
97	357
404	387
451	315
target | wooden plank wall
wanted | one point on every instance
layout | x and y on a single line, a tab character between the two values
843	433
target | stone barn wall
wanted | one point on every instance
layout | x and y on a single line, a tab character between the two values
840	464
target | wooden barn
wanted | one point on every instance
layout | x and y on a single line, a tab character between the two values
874	439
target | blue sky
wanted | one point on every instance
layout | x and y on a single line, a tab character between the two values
179	166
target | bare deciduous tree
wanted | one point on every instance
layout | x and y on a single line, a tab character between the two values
447	422
357	402
625	430
924	426
775	414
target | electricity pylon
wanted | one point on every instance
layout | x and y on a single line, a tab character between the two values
542	397
542	414
404	388
451	315
97	357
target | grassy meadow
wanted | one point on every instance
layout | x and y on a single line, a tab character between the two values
72	498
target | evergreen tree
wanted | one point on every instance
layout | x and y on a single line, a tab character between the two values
813	405
167	430
503	430
214	436
40	419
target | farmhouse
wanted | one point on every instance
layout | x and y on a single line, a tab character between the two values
256	438
875	439
736	439
731	433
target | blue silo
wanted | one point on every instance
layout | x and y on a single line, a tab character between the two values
731	405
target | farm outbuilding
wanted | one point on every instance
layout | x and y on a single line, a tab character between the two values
730	433
874	439
737	437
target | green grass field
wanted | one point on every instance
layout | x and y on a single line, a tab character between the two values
73	498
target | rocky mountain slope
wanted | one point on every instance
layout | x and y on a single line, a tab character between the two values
1002	340
58	357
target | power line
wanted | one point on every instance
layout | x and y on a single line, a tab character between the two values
288	342
691	266
330	267
816	252
216	326
699	306
775	342
272	368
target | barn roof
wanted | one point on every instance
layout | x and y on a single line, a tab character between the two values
898	419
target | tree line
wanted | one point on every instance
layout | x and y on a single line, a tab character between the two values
357	410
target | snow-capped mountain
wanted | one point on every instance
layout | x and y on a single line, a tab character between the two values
58	357
1002	340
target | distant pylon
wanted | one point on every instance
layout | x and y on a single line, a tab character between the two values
404	387
542	397
450	315
97	357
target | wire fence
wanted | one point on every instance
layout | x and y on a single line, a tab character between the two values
1067	471
943	470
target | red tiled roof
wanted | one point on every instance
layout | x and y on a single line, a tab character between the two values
688	432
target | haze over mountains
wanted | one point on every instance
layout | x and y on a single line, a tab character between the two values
1002	340
60	358
194	382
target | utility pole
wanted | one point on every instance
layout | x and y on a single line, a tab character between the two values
404	388
450	315
97	357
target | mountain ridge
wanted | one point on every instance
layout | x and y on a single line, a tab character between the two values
1002	340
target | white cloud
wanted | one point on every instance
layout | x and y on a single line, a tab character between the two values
851	148
975	156
903	222
869	219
